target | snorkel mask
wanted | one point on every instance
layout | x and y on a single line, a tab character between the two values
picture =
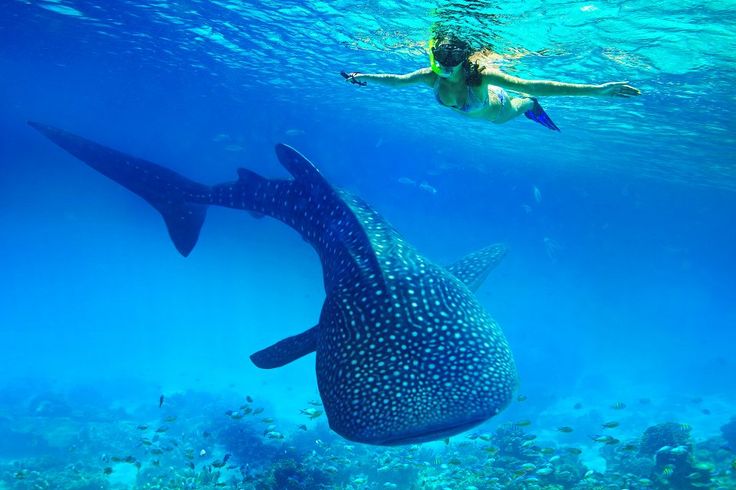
449	55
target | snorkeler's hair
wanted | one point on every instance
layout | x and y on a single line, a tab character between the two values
472	71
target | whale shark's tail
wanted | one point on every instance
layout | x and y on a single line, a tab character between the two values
164	189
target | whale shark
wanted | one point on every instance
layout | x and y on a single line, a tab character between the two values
405	353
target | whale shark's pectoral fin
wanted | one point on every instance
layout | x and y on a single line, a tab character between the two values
287	350
162	188
475	267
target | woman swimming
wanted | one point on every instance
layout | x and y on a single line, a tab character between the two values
462	81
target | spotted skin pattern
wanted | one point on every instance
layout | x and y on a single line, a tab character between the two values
404	351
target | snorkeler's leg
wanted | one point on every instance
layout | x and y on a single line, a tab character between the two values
515	107
530	107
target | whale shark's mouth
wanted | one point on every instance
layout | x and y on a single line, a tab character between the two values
430	434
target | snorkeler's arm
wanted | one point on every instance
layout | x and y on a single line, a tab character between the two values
549	87
424	75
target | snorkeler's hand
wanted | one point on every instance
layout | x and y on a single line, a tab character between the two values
617	89
351	77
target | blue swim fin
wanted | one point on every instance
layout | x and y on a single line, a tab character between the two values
537	114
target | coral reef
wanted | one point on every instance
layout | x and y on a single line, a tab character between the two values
666	434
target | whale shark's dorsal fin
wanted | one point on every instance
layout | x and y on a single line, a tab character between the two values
475	267
287	350
298	165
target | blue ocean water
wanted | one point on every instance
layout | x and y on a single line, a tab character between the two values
618	288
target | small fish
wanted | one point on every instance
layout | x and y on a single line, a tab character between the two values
733	464
257	411
455	462
527	444
116	459
170	418
234	415
155	462
618	406
685	427
274	435
705	411
206	434
577	406
142	427
629	447
485	437
668	471
490	449
446	441
157	451
248	399
426	187
544	471
220	464
267	420
603	439
574	450
162	429
107	470
312	413
472	436
537	195
315	403
610	425
190	464
247	410
612	441
565	429
645	482
129	459
523	423
160	401
527	467
521	398
202	453
547	450
302	427
294	132
406	181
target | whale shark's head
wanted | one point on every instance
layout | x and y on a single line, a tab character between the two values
411	360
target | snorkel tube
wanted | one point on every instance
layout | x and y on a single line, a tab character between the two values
432	62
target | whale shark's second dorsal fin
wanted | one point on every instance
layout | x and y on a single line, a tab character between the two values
475	267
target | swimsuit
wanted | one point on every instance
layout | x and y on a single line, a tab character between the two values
472	102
